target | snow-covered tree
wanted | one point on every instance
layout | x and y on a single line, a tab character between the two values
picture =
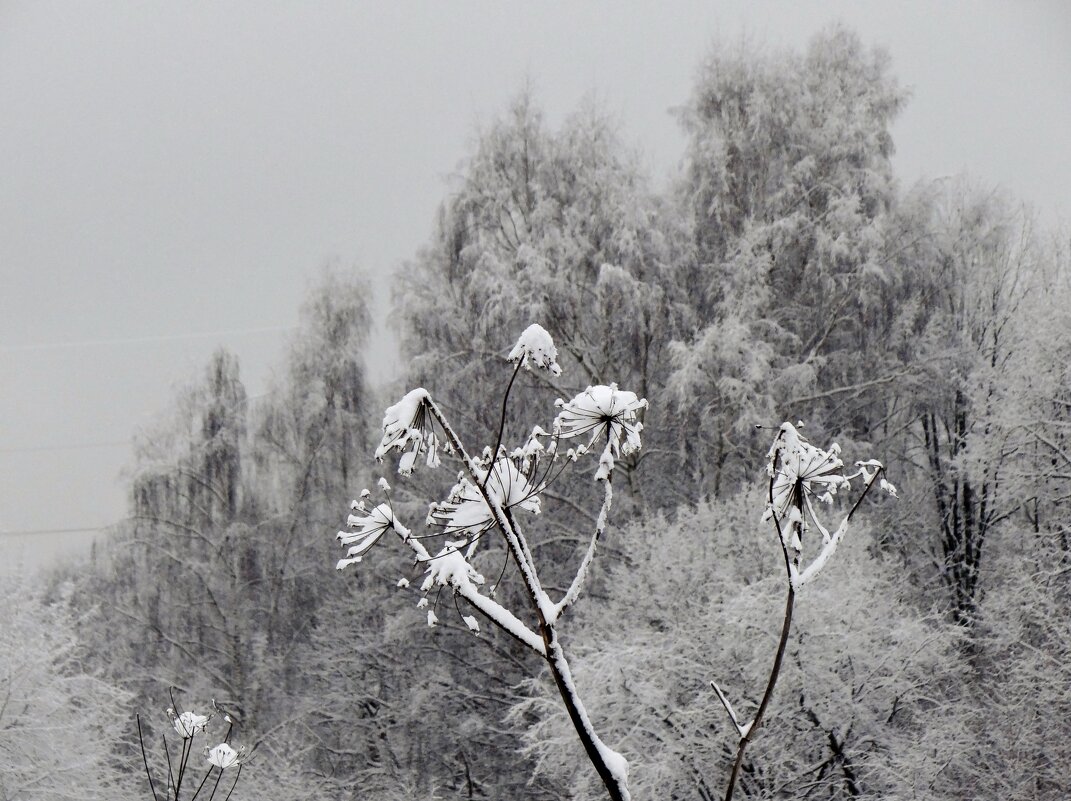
211	585
560	226
60	723
979	268
787	178
873	699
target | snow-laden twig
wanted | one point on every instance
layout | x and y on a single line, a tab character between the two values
450	568
742	730
581	574
829	547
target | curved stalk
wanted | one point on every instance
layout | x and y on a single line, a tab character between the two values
775	671
145	760
786	628
502	421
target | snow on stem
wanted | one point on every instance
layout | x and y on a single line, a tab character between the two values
581	574
458	579
798	471
611	766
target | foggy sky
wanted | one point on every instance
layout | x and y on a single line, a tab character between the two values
173	175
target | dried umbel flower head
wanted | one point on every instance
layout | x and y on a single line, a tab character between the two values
536	344
188	724
223	756
603	411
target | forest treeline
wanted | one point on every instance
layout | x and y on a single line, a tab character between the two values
782	273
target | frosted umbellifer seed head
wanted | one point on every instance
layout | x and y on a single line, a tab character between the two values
603	411
466	512
367	527
407	424
792	460
188	724
223	756
536	344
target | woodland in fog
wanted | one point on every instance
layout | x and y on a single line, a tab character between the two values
782	274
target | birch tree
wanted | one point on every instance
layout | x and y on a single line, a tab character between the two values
787	177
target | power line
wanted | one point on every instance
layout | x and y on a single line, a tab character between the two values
77	446
141	340
37	531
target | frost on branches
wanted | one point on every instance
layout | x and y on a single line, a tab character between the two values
488	495
803	478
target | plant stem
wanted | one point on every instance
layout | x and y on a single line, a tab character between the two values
786	628
555	655
501	423
593	745
145	759
775	671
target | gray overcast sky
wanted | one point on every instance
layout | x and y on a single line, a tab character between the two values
170	171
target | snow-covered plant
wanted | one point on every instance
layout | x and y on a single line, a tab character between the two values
490	492
801	476
220	758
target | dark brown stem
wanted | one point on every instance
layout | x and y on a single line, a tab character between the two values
501	422
782	644
145	759
774	673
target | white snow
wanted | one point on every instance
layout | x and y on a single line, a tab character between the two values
404	424
472	623
448	568
369	528
602	411
536	344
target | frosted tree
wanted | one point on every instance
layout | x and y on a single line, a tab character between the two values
969	341
57	720
491	492
872	701
787	177
560	226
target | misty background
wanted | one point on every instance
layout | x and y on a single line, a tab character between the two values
231	235
174	176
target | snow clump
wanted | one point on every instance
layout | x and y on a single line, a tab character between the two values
536	344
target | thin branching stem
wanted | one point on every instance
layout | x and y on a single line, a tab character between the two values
145	759
786	628
170	771
502	421
197	792
187	747
237	776
216	785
